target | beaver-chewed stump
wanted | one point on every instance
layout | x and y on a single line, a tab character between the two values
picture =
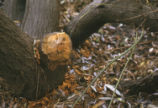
31	68
56	49
53	55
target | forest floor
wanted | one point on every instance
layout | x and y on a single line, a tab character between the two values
90	58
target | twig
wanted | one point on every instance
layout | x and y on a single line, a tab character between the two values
129	58
102	70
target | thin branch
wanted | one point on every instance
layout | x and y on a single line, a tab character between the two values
102	70
129	58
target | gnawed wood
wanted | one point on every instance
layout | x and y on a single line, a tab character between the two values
20	72
55	48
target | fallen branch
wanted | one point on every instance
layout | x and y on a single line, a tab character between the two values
97	13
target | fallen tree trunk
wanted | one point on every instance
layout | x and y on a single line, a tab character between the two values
27	70
99	12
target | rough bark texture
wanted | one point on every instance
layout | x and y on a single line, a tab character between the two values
147	84
41	17
99	12
15	9
19	71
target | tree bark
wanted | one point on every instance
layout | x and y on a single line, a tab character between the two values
20	72
15	9
23	74
41	17
99	12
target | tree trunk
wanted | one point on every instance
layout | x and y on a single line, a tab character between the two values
41	17
99	12
15	9
31	77
20	72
